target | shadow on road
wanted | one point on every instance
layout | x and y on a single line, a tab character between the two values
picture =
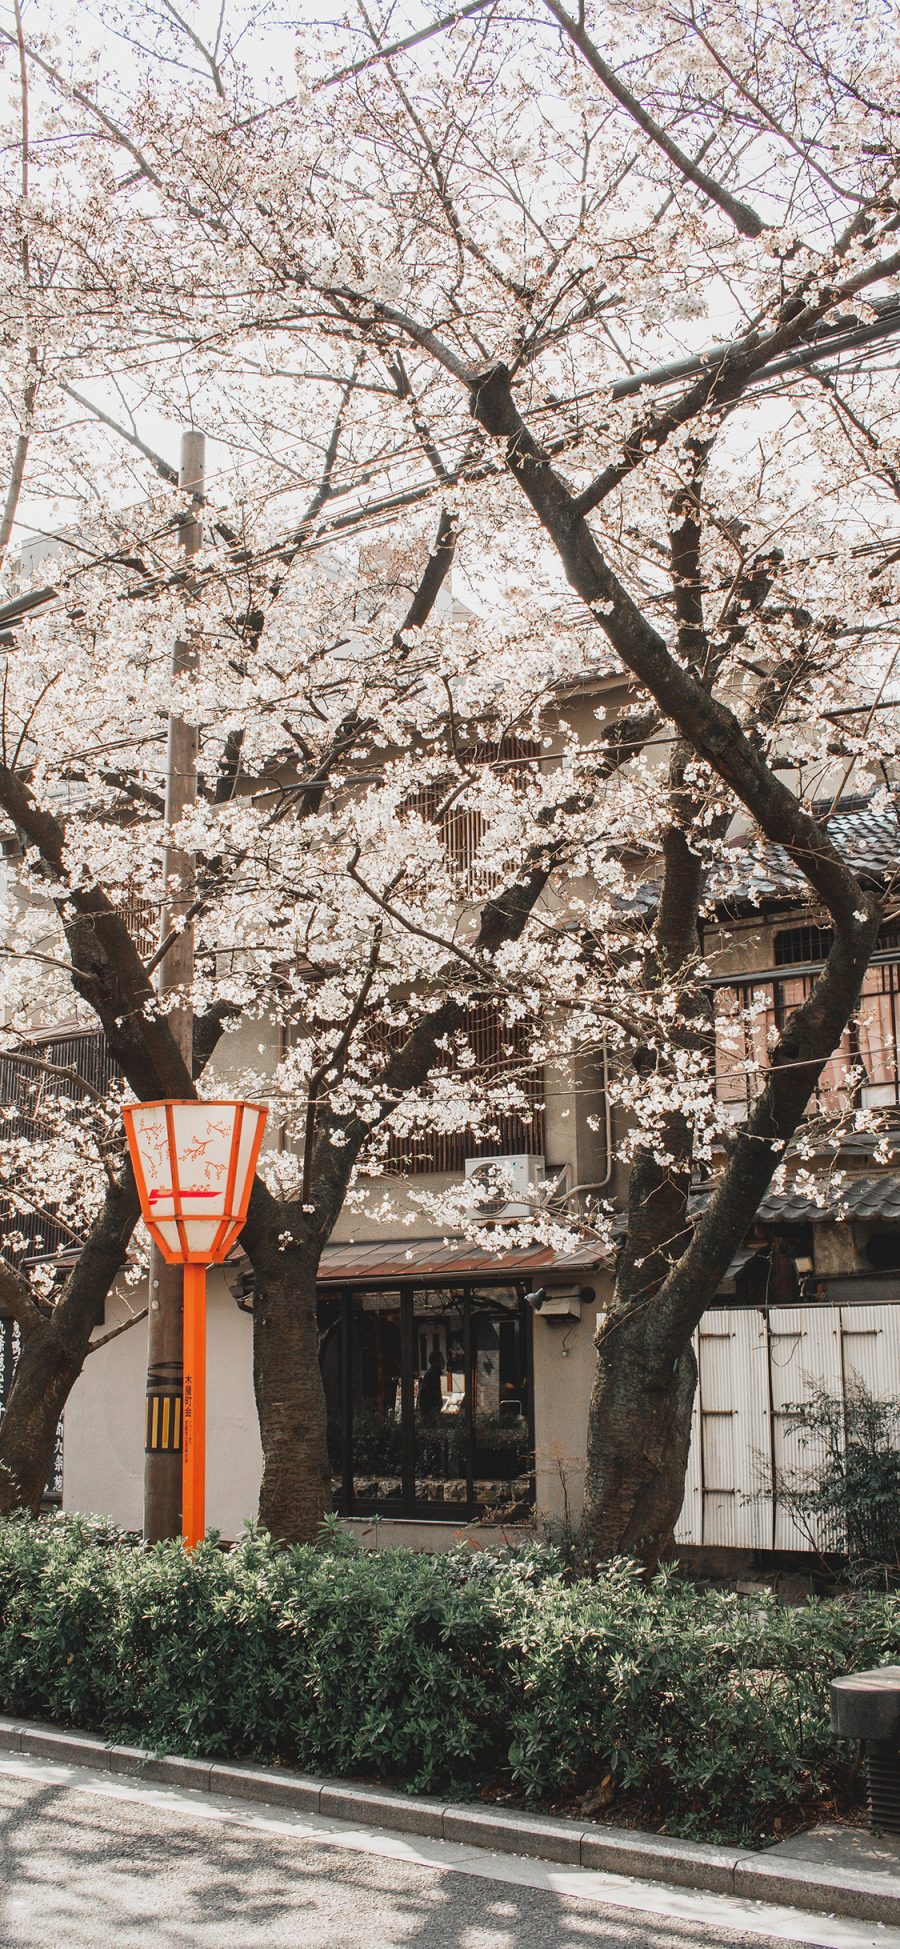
84	1869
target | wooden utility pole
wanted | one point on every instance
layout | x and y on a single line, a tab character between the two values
163	1434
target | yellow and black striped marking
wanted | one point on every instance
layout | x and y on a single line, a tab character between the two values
163	1422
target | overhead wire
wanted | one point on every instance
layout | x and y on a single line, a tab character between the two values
829	341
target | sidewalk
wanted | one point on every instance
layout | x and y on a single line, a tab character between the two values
836	1871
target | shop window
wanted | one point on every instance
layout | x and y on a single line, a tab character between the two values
428	1399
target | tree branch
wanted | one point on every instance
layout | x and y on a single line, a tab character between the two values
746	220
115	1331
107	971
160	466
726	377
709	725
200	46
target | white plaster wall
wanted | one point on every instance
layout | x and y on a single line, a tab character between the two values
434	1539
564	1361
103	1425
103	1433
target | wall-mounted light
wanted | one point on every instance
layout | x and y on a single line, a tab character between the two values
555	1303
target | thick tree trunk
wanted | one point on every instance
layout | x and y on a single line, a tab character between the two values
639	1433
53	1351
639	1425
45	1374
295	1492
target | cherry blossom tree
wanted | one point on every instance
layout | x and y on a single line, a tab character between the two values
590	300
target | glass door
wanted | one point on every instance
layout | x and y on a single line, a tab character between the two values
376	1400
429	1402
442	1393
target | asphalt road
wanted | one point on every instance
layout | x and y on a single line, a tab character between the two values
86	1865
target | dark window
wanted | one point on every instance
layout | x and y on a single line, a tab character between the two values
429	1402
796	945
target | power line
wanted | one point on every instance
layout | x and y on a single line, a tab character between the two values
828	341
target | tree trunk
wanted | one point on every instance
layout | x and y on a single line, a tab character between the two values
639	1433
53	1351
295	1493
45	1374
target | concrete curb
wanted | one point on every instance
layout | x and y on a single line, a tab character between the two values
849	1892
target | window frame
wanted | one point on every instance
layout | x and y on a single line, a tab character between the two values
849	1054
407	1506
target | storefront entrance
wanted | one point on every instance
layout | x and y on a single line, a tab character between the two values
430	1401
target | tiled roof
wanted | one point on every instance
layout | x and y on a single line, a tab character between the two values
865	1197
868	838
874	1195
754	869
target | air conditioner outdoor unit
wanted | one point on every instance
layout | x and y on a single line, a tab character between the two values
504	1187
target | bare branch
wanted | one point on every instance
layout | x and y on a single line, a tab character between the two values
115	1331
727	377
200	46
746	220
162	468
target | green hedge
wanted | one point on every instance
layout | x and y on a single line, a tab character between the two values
455	1674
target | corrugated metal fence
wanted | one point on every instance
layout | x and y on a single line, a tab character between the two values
754	1364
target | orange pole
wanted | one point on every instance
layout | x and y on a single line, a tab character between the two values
193	1435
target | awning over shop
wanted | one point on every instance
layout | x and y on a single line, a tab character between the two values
441	1261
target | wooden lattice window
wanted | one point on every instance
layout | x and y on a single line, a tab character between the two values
501	1052
141	919
462	826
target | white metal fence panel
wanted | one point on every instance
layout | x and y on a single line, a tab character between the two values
870	1339
804	1352
689	1527
734	1415
752	1367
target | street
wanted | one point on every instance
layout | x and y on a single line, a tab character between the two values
88	1860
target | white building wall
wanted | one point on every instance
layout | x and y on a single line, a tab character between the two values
751	1370
103	1431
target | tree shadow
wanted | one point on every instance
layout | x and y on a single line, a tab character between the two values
79	1869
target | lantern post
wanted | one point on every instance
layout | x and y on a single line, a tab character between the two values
193	1165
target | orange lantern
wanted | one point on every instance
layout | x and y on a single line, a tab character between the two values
194	1164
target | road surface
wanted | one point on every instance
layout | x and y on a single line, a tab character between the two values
88	1860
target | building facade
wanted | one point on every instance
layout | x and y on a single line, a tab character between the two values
457	1378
